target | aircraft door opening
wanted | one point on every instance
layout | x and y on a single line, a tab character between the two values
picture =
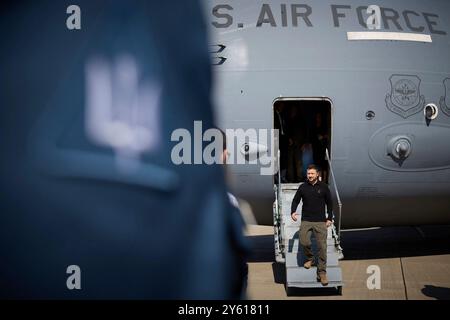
304	126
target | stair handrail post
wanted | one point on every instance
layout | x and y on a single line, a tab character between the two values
338	198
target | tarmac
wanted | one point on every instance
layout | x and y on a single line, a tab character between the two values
414	264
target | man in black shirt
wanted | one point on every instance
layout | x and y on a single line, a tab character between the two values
315	195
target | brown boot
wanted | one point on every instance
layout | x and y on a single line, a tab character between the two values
322	277
308	264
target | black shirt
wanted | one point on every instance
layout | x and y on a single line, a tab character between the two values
314	197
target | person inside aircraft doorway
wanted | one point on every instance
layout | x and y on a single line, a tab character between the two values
315	195
320	140
296	144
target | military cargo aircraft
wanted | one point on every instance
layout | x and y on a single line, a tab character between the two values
378	74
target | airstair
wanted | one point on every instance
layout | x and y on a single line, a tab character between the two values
287	247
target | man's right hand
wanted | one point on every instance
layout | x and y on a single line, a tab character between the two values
294	216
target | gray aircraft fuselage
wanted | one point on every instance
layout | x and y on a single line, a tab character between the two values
392	167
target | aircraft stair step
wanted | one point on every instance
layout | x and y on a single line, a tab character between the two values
297	259
307	278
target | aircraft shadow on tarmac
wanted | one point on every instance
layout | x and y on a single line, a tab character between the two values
381	243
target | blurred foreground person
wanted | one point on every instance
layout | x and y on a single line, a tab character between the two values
93	205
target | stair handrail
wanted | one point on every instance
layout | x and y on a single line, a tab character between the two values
335	189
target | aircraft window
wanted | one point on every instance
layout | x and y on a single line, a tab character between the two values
370	115
430	111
